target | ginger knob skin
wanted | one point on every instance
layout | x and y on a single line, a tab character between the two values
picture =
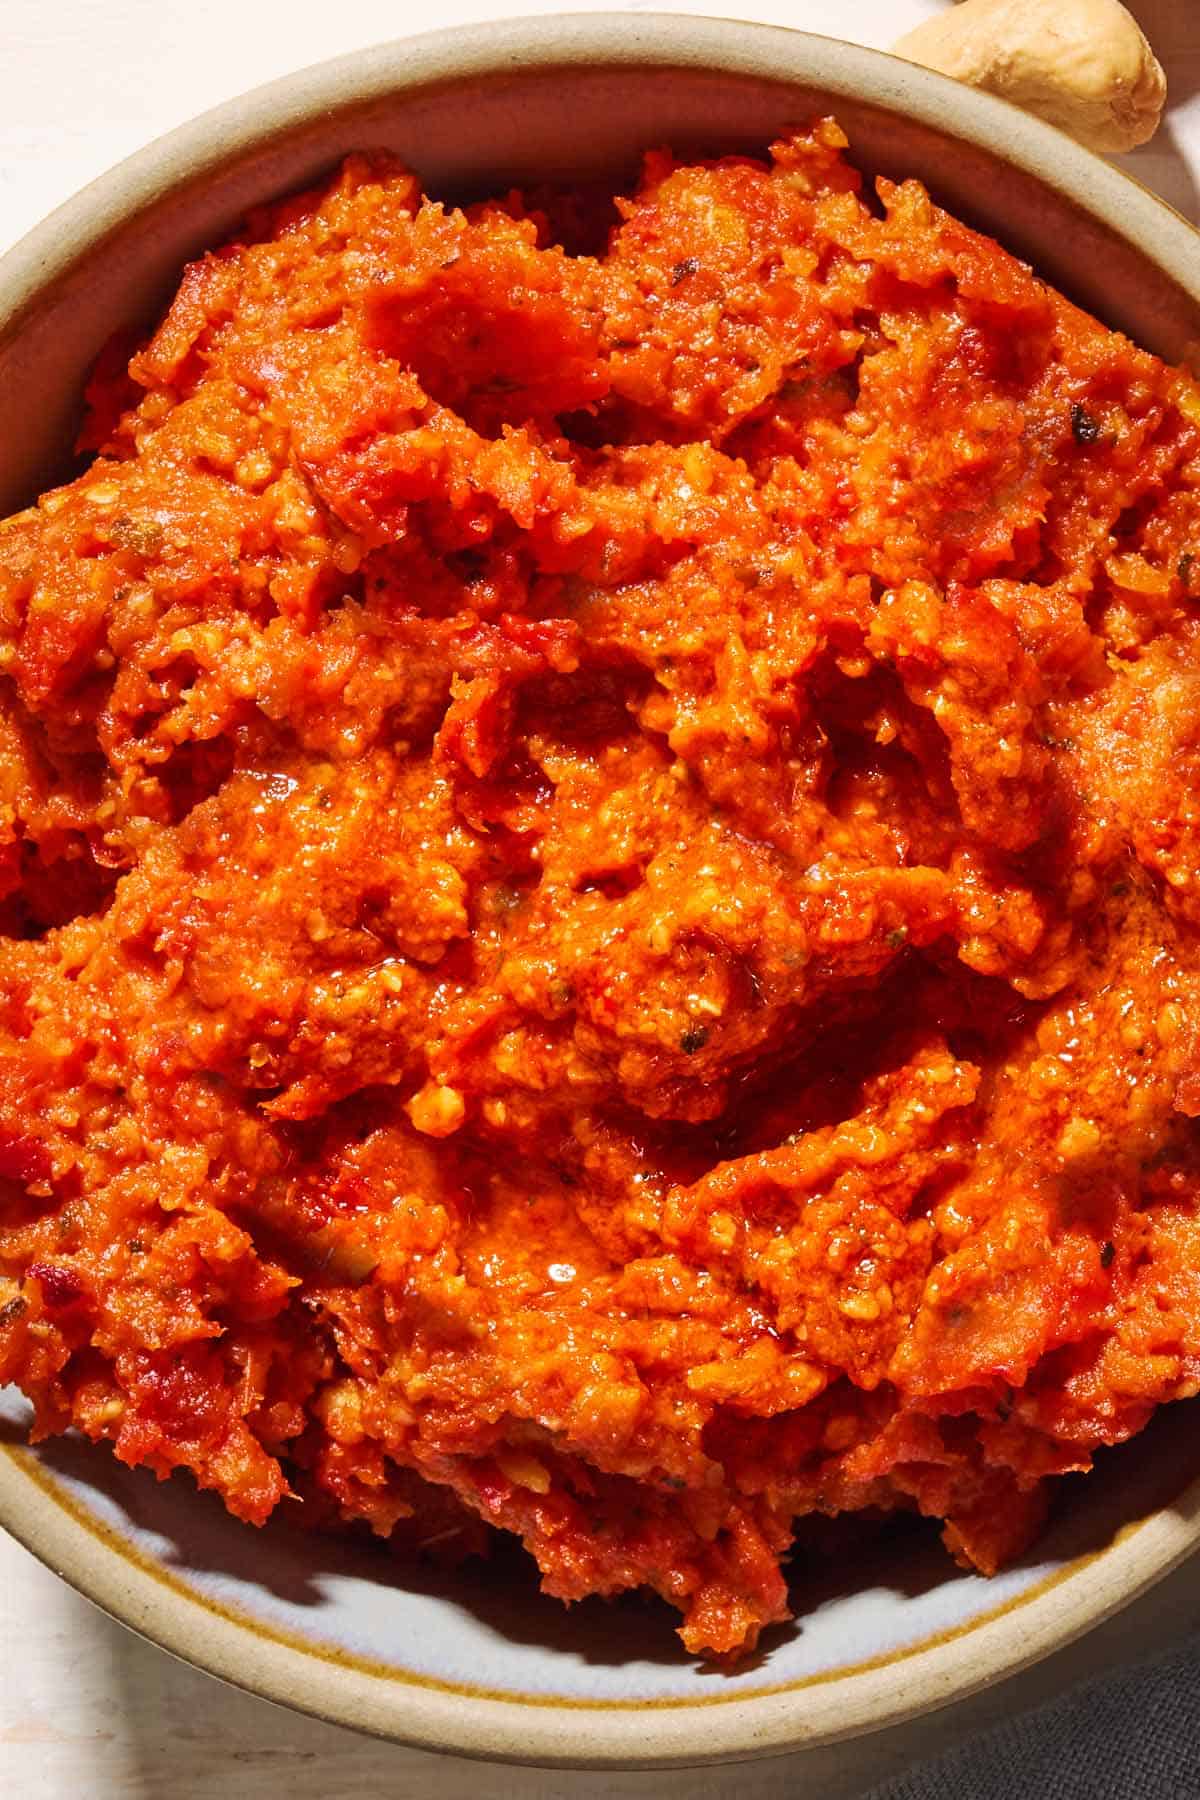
1083	65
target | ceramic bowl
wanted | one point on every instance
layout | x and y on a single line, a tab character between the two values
480	1663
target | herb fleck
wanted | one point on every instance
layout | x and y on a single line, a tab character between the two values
1084	428
1107	1252
693	1039
683	269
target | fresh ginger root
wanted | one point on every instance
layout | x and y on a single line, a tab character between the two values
1083	65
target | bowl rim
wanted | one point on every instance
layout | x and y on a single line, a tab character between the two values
424	1713
192	151
548	1731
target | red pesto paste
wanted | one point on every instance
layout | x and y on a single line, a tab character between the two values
600	868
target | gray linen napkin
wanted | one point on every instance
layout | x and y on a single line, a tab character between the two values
1131	1735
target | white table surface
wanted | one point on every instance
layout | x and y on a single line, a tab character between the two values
86	1709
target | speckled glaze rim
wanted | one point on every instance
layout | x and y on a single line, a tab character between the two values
279	109
570	1733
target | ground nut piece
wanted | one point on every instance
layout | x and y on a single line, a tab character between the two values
437	1111
1083	65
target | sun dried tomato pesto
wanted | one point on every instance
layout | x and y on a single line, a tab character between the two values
599	870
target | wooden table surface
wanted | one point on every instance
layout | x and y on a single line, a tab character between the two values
86	1709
